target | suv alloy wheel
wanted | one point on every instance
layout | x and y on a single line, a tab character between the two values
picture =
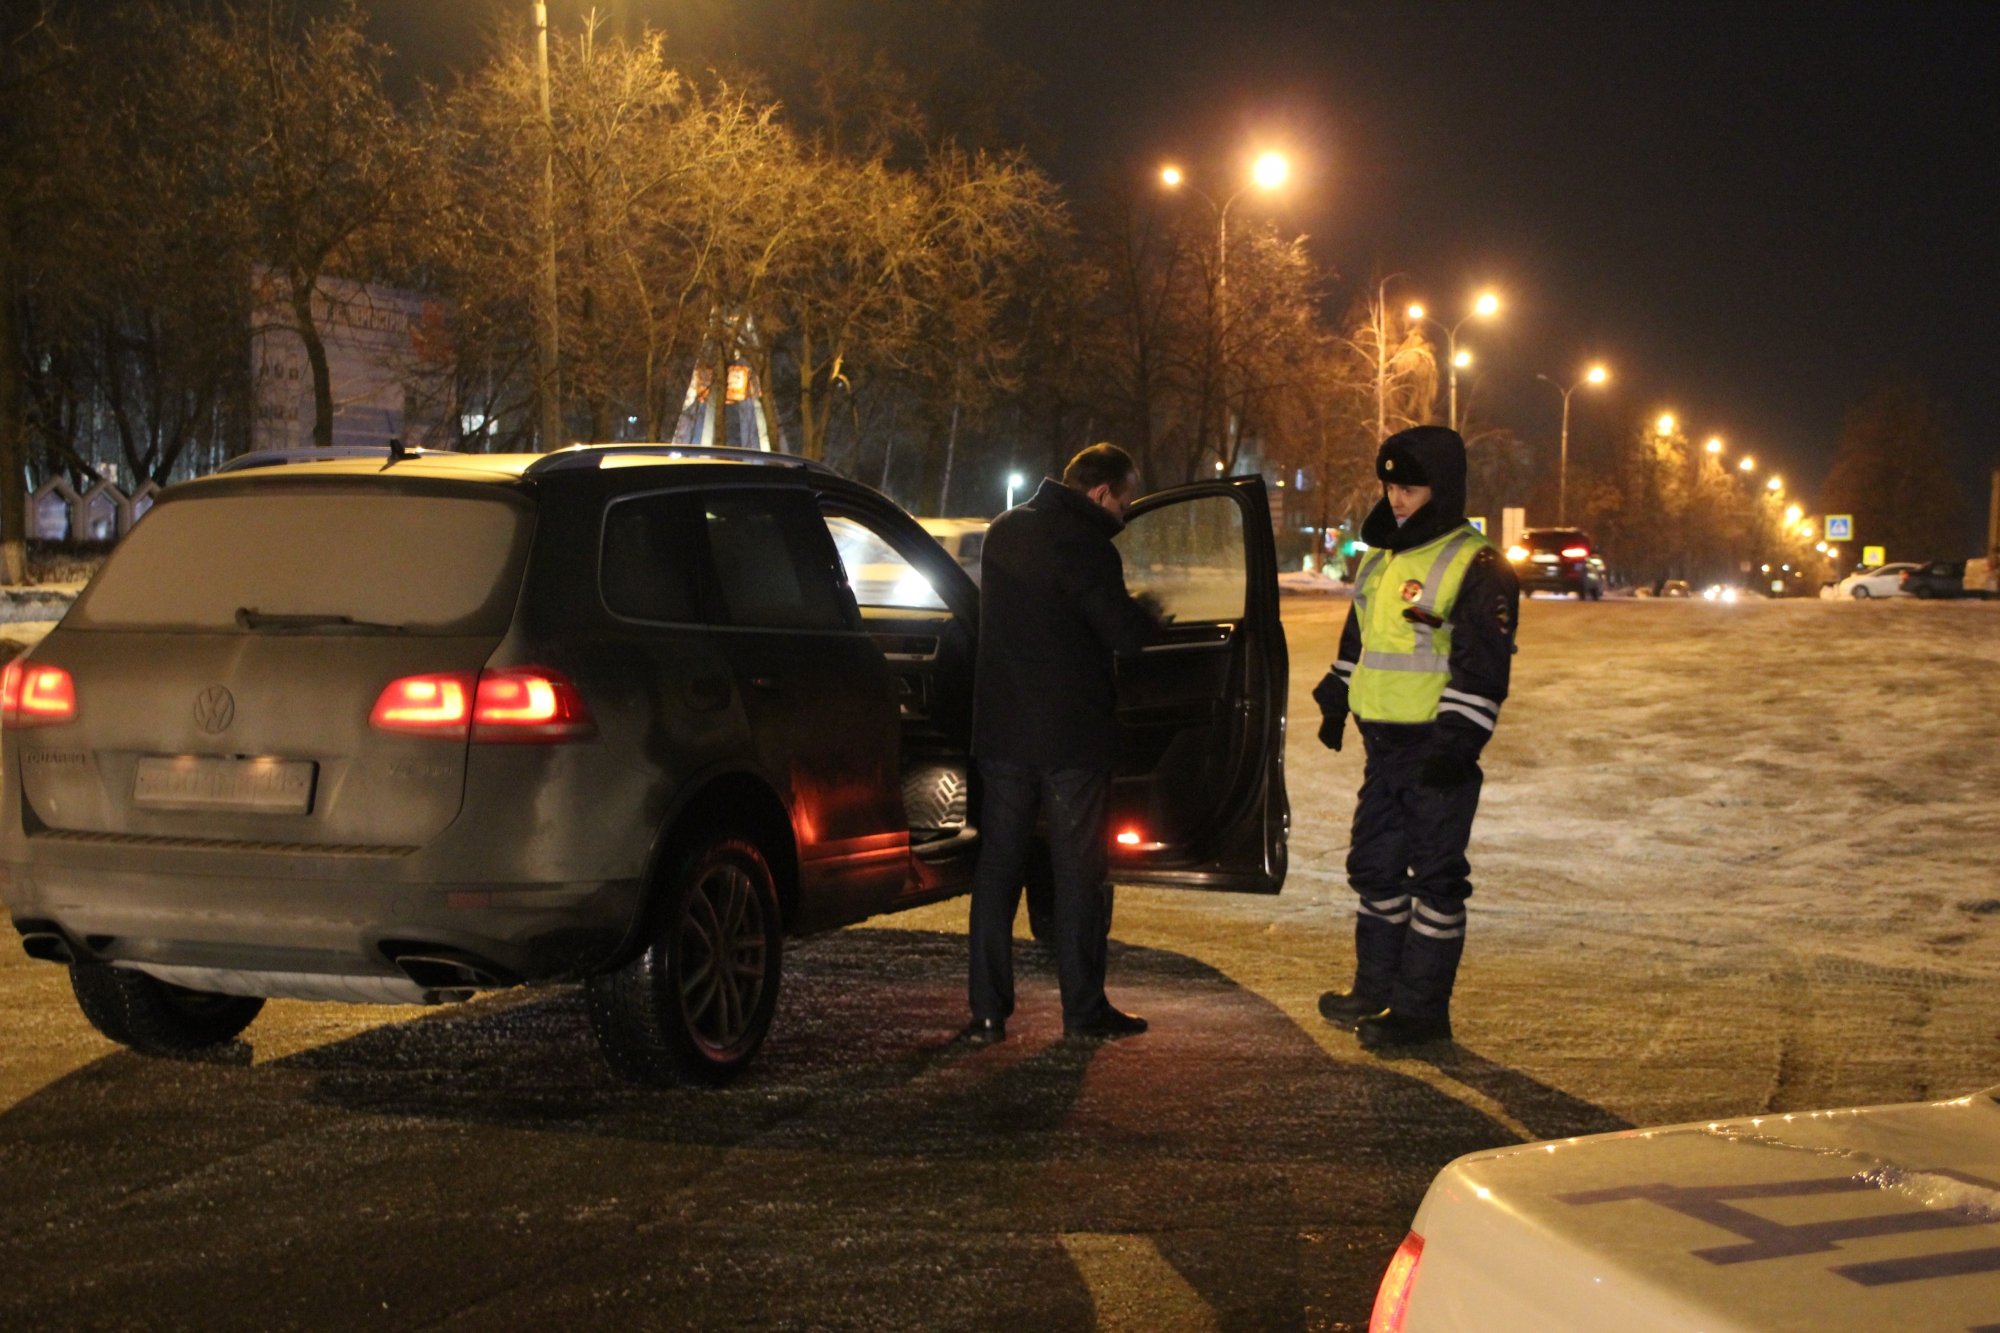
694	1006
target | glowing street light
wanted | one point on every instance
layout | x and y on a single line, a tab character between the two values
1267	173
1775	484
1462	359
1665	425
1597	374
1015	481
1714	445
1793	513
1748	464
1484	306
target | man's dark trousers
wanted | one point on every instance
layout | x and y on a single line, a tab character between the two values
1073	803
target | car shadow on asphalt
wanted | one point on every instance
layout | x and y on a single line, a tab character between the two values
868	1161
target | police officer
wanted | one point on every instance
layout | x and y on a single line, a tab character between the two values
1423	666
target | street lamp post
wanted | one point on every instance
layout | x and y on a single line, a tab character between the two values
1595	375
1483	308
547	363
1267	173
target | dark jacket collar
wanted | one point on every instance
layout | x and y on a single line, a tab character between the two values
1052	496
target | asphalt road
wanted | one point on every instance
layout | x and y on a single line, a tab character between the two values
1240	1166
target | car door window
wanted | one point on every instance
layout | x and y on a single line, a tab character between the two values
649	568
773	566
1190	557
876	573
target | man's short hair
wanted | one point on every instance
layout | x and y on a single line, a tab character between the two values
1099	465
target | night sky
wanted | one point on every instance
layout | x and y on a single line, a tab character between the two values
1749	212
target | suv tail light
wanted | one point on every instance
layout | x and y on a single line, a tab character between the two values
36	695
528	704
1576	552
1392	1298
498	704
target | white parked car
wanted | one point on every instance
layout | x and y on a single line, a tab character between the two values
1881	581
965	538
1833	1221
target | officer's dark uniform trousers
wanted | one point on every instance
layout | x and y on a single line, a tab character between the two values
1406	860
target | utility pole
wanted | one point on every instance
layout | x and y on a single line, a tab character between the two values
549	367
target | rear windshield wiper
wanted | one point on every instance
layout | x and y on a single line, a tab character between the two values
249	617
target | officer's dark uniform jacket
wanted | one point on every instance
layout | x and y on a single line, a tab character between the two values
1053	611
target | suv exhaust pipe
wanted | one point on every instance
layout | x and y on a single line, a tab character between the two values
449	970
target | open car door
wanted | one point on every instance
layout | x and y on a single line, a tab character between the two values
1198	799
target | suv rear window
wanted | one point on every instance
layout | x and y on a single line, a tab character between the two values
425	563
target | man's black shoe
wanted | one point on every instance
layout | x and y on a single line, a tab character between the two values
1344	1009
1108	1026
984	1031
1394	1029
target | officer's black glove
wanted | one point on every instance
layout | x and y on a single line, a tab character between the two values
1331	696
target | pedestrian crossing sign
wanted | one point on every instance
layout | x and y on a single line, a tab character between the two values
1872	556
1840	527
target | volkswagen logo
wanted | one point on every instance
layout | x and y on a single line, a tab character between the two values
215	709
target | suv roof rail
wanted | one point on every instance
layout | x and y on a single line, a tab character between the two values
389	453
593	456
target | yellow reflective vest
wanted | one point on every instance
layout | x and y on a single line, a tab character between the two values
1405	662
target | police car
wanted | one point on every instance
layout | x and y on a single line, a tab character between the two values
1885	1217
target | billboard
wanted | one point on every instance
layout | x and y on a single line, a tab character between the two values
388	354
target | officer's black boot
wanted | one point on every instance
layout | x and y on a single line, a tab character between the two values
1378	954
1420	1001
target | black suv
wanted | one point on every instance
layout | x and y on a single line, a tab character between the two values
1936	578
409	727
1563	560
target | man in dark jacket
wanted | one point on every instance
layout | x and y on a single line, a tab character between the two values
1424	665
1053	612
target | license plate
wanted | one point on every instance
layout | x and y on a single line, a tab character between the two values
192	782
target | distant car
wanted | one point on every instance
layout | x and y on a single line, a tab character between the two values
1880	581
965	538
1676	588
1836	1221
1563	560
1936	578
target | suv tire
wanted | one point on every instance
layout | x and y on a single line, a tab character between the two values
692	1009
153	1017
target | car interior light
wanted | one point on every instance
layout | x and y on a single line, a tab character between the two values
1392	1298
36	695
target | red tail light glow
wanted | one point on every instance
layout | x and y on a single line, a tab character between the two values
499	704
36	695
1128	837
438	705
527	704
1392	1298
1575	552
